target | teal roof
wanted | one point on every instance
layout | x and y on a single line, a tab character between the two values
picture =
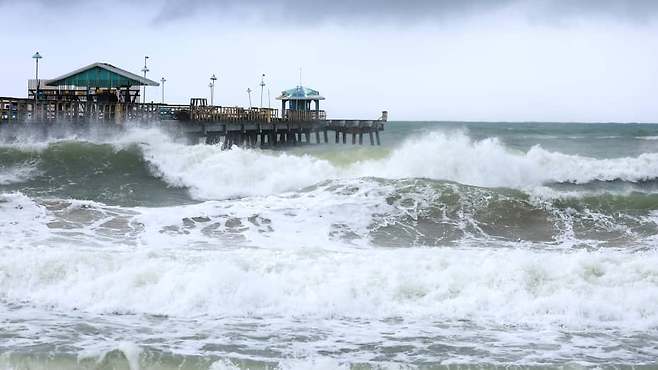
300	93
101	75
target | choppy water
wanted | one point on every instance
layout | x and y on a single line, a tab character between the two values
452	244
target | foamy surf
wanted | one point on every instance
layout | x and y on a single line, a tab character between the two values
537	296
136	251
210	173
572	290
214	174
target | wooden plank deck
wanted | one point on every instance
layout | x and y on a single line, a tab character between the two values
228	125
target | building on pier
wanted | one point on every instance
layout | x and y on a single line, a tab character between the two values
100	82
296	104
101	92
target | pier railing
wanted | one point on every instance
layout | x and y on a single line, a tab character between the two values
304	116
225	114
228	125
20	110
23	110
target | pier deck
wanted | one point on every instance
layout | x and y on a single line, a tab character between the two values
227	125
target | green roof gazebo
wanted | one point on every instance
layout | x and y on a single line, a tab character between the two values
299	99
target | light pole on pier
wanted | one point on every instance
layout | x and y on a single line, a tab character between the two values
145	69
262	86
249	93
163	80
36	58
213	78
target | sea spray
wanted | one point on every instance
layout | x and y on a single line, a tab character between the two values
576	290
210	173
456	157
349	213
526	244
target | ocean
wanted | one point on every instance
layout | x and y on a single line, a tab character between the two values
452	245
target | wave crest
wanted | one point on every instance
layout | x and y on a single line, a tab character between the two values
210	173
489	163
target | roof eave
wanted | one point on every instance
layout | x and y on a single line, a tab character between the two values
316	97
142	81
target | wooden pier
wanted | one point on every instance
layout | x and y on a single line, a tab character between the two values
249	127
101	92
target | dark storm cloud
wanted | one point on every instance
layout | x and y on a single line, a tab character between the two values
317	11
334	10
356	10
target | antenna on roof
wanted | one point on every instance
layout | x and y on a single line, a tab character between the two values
300	76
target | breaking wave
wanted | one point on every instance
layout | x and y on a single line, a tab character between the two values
606	288
143	158
442	248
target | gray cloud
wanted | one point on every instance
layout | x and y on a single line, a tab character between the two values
308	12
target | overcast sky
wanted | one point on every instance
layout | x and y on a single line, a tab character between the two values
507	60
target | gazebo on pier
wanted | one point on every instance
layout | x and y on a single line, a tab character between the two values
296	104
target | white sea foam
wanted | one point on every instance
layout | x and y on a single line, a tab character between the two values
211	173
21	219
311	363
214	174
517	287
17	174
318	218
316	363
284	256
456	157
130	351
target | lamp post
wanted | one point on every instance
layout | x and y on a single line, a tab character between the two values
163	80
36	58
249	93
262	86
213	78
145	69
